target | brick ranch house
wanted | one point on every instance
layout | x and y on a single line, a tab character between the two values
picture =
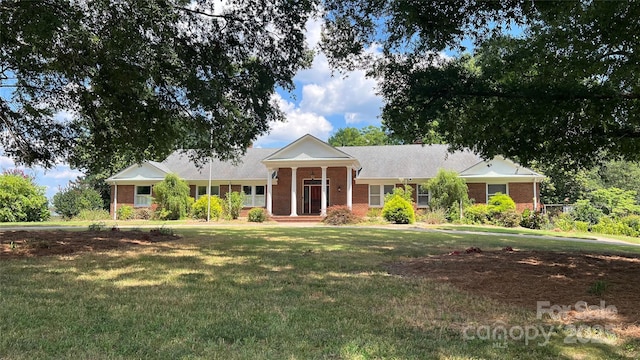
289	181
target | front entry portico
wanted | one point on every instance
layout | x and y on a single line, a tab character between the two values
304	159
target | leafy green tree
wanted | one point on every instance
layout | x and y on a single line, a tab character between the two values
563	90
140	79
583	210
447	189
21	199
70	201
615	202
172	198
369	135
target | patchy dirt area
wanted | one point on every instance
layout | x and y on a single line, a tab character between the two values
523	278
19	244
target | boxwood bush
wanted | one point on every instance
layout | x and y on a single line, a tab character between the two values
257	215
398	210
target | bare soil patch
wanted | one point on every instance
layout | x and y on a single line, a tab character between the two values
522	278
20	244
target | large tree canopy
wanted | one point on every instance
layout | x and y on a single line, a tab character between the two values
143	78
565	89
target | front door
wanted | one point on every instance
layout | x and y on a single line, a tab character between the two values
313	196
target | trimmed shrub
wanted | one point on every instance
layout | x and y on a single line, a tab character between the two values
172	197
500	203
125	212
508	218
257	215
340	215
143	214
398	210
476	214
93	215
232	204
199	208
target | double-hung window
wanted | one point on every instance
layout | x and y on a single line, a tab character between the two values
202	190
377	193
423	196
143	196
493	189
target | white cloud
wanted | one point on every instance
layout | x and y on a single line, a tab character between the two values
6	163
62	172
353	95
298	123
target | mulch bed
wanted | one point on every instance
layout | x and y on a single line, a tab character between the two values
522	278
20	244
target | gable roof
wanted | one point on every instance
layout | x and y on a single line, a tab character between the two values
387	162
310	151
498	167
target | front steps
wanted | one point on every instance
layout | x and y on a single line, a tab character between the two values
297	219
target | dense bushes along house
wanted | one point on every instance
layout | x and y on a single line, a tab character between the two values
309	175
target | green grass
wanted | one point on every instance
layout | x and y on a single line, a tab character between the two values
531	232
266	293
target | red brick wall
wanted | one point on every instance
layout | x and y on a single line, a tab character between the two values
522	194
478	192
125	196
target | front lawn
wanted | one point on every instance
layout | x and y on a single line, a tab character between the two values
287	293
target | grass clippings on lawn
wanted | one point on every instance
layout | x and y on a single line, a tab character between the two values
522	278
20	244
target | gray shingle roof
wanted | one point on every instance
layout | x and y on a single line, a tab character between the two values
383	162
249	167
409	161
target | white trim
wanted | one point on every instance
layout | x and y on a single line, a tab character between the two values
349	188
269	191
294	197
115	201
323	196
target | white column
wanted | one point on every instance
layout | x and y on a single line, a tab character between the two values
269	188
535	196
323	202
349	189
115	201
294	187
